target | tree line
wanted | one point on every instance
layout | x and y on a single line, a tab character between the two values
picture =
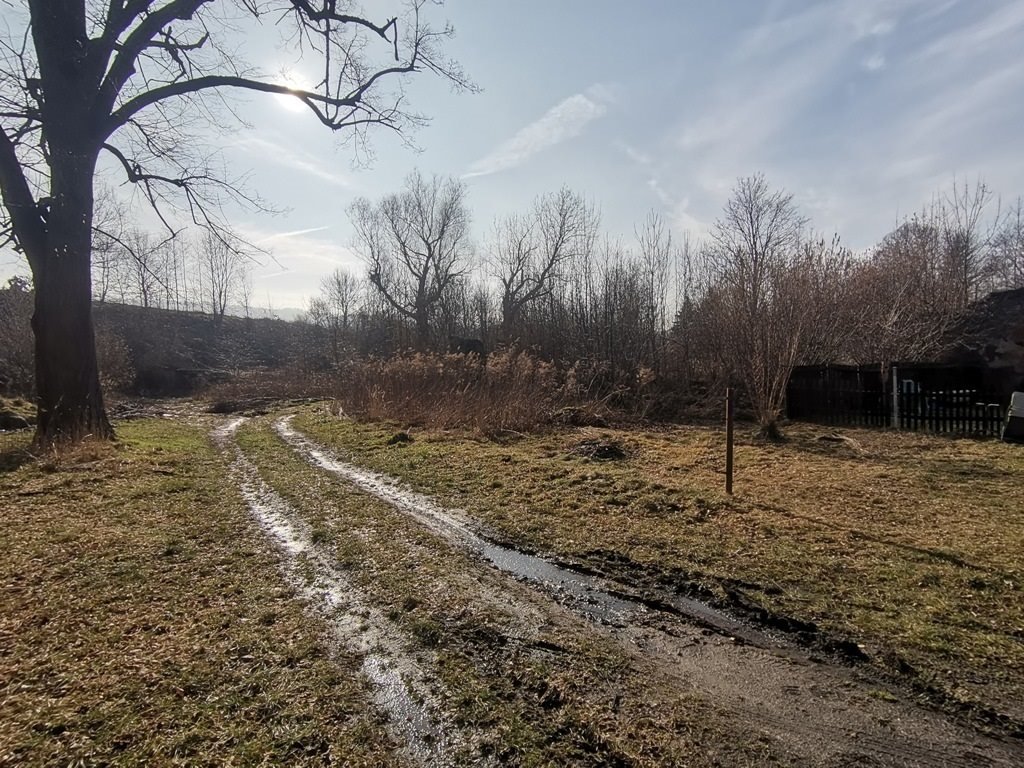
202	271
761	293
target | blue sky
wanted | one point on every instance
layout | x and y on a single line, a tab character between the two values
862	109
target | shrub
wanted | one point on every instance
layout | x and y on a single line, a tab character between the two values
511	391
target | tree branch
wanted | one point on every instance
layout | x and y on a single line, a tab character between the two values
123	66
185	87
27	222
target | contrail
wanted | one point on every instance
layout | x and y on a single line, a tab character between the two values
293	234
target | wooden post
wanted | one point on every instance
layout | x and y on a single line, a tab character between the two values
729	403
895	398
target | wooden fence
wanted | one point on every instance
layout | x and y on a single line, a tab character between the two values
915	396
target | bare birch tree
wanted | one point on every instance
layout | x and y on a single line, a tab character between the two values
222	264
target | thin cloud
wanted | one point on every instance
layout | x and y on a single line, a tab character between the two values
292	158
1003	25
562	122
874	63
293	233
301	262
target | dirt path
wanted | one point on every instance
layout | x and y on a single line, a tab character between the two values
820	714
400	686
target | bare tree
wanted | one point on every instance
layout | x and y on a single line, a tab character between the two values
755	274
416	245
530	252
245	293
16	337
655	242
967	235
1006	256
141	259
110	221
222	265
342	289
339	298
134	80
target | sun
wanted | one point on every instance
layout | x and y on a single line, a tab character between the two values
289	102
290	78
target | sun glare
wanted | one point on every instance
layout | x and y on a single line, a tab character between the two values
291	79
289	102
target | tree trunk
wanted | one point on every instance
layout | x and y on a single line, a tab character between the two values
422	319
69	398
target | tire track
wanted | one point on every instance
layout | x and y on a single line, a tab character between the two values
400	686
820	711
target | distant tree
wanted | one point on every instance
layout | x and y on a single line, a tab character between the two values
222	264
109	223
132	80
141	259
756	270
341	289
16	336
967	234
655	241
336	308
1006	256
416	246
245	293
903	300
529	253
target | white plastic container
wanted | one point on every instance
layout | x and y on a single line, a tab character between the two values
1013	429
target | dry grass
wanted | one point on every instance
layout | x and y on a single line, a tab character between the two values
492	647
907	544
142	620
509	392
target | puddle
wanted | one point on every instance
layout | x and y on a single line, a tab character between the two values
591	595
399	687
817	712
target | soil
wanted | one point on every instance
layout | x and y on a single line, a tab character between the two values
779	683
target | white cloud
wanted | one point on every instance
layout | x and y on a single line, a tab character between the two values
874	63
1003	25
638	156
562	122
682	219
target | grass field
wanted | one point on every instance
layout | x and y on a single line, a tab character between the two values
905	544
143	620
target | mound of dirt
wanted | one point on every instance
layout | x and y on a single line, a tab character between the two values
841	443
600	450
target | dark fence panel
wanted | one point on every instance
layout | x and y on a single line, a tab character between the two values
928	397
841	395
950	399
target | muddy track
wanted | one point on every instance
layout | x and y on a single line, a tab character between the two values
400	687
820	712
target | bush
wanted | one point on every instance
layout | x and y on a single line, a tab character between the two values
510	391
